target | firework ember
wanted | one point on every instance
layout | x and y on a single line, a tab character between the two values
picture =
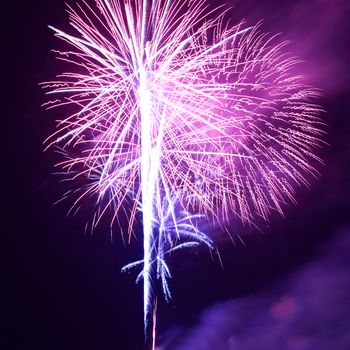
172	114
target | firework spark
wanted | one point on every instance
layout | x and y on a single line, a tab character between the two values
175	114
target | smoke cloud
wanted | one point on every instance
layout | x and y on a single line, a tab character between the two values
310	310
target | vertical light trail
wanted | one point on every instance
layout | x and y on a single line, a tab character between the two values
150	163
148	186
147	180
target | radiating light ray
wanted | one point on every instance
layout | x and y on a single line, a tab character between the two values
173	114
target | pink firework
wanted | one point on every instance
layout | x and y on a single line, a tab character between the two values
180	115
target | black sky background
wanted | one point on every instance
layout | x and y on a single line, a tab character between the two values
62	288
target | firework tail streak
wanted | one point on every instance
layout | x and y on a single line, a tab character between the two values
184	117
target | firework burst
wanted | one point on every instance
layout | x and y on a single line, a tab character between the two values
174	114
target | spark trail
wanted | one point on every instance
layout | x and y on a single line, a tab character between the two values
175	114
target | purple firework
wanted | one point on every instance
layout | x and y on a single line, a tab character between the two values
175	114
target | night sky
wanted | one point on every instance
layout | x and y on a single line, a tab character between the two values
62	288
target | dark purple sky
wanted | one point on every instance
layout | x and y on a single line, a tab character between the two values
63	289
